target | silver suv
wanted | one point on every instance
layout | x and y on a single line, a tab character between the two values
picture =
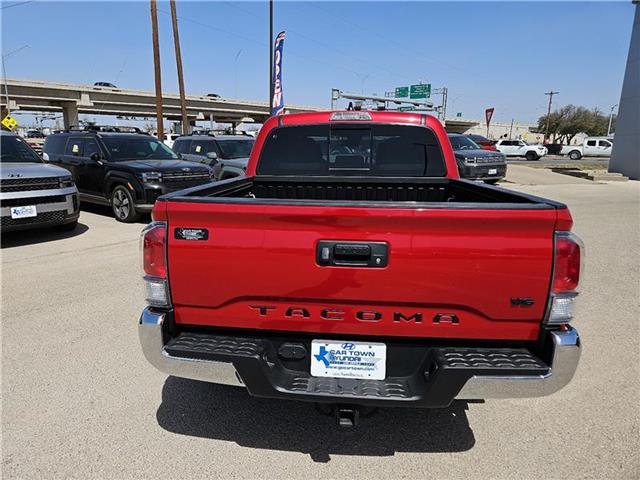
32	193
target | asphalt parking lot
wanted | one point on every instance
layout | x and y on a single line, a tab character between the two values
79	400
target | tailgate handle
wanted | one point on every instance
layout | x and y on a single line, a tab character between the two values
348	251
352	254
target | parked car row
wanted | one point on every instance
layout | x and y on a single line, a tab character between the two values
127	169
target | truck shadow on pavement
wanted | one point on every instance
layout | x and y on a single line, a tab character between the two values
228	413
39	235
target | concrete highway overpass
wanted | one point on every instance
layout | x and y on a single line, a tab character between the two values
73	99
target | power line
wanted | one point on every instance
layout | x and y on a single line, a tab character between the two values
15	4
369	30
326	46
258	42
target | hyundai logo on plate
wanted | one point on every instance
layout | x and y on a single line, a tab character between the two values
348	346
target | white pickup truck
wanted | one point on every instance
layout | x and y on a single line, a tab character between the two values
520	148
591	147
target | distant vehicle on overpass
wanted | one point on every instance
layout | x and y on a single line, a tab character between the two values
73	100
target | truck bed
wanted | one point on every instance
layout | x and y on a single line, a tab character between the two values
364	191
464	252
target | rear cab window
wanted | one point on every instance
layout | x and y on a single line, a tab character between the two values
181	146
55	144
352	150
202	147
74	147
236	148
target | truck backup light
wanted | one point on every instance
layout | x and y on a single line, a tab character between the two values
566	275
154	264
156	292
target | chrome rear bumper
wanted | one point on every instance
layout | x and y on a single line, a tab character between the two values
564	362
151	339
565	354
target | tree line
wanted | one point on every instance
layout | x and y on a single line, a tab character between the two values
570	120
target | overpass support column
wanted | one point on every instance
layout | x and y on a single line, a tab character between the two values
625	157
70	115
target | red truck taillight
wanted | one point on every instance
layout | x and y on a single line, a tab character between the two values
154	264
567	266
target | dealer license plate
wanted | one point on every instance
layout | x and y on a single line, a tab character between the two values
493	171
24	212
362	360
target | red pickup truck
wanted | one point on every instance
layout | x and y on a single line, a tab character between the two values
352	267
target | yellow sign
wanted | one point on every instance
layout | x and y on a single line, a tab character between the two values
9	122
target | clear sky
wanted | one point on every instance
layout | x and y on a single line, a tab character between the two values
504	54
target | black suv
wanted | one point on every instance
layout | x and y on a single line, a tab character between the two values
227	154
128	171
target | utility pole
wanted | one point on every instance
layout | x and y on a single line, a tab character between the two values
546	129
511	129
613	107
270	45
156	64
176	40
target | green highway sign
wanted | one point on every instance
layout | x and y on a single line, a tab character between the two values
407	109
402	92
420	91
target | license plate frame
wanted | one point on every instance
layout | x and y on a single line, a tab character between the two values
348	359
493	171
25	211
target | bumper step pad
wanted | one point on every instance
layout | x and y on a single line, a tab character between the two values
436	380
488	361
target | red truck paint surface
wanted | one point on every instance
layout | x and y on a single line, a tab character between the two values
452	272
267	256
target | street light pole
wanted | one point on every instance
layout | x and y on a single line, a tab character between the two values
546	129
4	73
610	119
363	78
156	64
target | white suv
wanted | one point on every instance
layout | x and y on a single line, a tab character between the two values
520	148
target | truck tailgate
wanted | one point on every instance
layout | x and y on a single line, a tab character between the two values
452	272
